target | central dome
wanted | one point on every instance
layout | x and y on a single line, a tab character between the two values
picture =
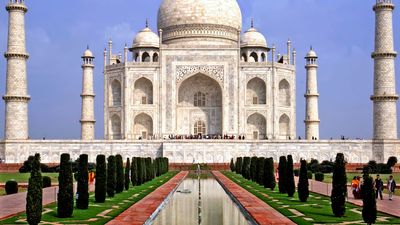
200	19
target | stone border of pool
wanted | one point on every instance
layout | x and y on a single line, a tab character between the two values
144	211
260	211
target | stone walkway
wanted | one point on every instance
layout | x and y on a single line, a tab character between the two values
261	212
384	206
140	212
11	205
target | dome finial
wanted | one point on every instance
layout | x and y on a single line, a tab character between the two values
147	23
252	23
87	47
311	48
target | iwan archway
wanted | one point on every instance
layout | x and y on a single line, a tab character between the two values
199	101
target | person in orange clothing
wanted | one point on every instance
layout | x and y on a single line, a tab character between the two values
91	177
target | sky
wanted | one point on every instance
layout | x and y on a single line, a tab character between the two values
340	31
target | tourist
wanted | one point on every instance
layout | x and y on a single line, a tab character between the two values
391	185
355	185
378	187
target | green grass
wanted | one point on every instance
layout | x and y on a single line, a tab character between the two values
24	177
123	201
317	207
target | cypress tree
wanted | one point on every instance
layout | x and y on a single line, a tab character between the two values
134	172
65	197
260	171
239	164
253	168
339	186
269	174
35	192
82	198
111	179
149	169
156	167
144	170
167	162
369	211
290	185
246	167
282	175
139	171
101	179
232	165
119	187
303	182
127	172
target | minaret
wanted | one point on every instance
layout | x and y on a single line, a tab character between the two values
87	121
385	97
312	119
16	97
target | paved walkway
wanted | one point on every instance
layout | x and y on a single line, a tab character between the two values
261	212
384	206
11	205
140	212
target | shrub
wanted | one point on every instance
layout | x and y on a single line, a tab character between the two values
290	185
383	168
127	172
232	165
82	195
139	171
149	169
296	172
111	179
119	187
313	166
101	179
11	187
309	174
339	186
260	170
319	177
392	161
46	182
246	168
65	195
239	164
369	211
326	167
373	166
253	168
134	171
282	175
269	174
303	182
35	192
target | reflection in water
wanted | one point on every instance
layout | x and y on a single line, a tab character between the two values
216	206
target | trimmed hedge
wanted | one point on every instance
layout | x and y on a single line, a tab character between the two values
46	182
127	172
65	197
119	186
282	175
260	170
303	185
269	174
253	168
290	185
111	179
232	165
35	193
82	195
11	187
339	186
246	167
238	165
101	179
319	177
309	175
369	211
134	172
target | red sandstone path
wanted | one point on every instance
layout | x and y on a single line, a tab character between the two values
11	205
384	206
261	212
140	212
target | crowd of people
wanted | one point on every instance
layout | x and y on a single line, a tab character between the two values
356	185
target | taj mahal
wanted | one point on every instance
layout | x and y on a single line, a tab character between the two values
204	88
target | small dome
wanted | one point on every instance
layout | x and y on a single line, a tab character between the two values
312	54
88	53
146	38
253	38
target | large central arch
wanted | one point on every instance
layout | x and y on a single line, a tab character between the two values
199	99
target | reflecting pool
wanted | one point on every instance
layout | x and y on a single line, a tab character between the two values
200	201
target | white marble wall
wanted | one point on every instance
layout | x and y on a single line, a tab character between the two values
218	151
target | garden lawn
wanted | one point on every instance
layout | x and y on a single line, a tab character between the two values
24	177
99	213
317	210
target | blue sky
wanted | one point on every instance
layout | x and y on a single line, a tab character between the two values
341	31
